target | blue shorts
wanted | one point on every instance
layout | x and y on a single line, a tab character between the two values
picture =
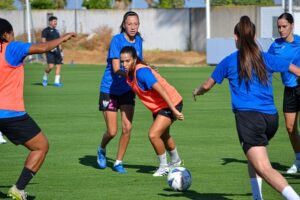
19	129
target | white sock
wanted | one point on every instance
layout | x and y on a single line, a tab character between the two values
174	155
117	162
256	188
289	193
57	79
163	160
45	77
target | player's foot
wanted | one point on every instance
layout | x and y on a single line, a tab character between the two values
294	168
17	194
45	82
162	171
2	140
101	158
58	84
178	163
119	168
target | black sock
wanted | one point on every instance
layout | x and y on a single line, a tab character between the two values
24	178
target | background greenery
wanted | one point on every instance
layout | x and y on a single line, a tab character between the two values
206	140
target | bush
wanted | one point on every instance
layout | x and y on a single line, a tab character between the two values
96	4
42	4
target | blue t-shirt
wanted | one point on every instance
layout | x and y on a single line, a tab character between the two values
145	78
14	55
255	97
290	52
113	83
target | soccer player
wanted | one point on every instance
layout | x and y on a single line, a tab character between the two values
249	72
115	94
15	123
161	99
288	48
55	55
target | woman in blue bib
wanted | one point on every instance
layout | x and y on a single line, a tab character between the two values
115	93
288	48
249	72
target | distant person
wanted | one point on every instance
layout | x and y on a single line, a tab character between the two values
15	123
288	48
249	72
55	55
2	140
115	93
162	99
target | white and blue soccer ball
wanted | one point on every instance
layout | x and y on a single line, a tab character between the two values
179	178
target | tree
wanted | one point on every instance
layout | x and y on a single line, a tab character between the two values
60	4
42	4
7	4
96	4
171	3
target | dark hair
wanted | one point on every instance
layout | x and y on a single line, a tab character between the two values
287	16
5	27
132	51
128	14
250	57
52	18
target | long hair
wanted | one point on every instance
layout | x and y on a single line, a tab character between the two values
287	16
126	15
250	57
5	27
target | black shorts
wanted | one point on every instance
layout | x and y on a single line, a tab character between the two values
255	128
291	99
168	113
54	57
19	129
110	102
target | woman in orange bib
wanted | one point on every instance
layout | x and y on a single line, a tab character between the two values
162	100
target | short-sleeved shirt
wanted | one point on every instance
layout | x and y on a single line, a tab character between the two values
145	78
14	56
255	96
50	33
290	51
113	83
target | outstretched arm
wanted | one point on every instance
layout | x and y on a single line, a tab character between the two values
47	46
157	87
205	87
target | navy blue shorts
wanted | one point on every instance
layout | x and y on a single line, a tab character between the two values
19	129
168	113
110	102
54	57
255	128
291	99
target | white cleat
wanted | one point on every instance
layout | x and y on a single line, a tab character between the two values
162	171
2	140
294	168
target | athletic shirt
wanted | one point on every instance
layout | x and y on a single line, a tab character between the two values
12	78
142	82
290	52
50	34
113	83
255	97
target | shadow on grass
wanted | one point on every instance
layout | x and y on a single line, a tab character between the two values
3	195
192	194
91	161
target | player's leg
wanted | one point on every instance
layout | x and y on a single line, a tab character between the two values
170	145
258	157
157	129
58	62
292	129
50	62
256	183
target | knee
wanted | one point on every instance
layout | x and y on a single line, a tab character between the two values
126	128
291	129
263	170
111	133
152	135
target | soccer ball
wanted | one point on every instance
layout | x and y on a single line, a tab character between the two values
179	178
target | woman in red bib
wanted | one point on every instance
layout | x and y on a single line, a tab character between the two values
162	100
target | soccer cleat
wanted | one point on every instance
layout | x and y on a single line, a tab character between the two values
2	140
294	168
45	82
58	84
119	168
162	171
178	163
101	158
17	194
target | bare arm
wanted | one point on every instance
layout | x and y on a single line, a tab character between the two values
294	69
157	87
47	46
116	67
205	87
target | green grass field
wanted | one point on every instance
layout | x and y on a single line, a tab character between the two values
206	140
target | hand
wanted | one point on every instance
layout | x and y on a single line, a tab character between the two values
68	36
195	93
178	115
